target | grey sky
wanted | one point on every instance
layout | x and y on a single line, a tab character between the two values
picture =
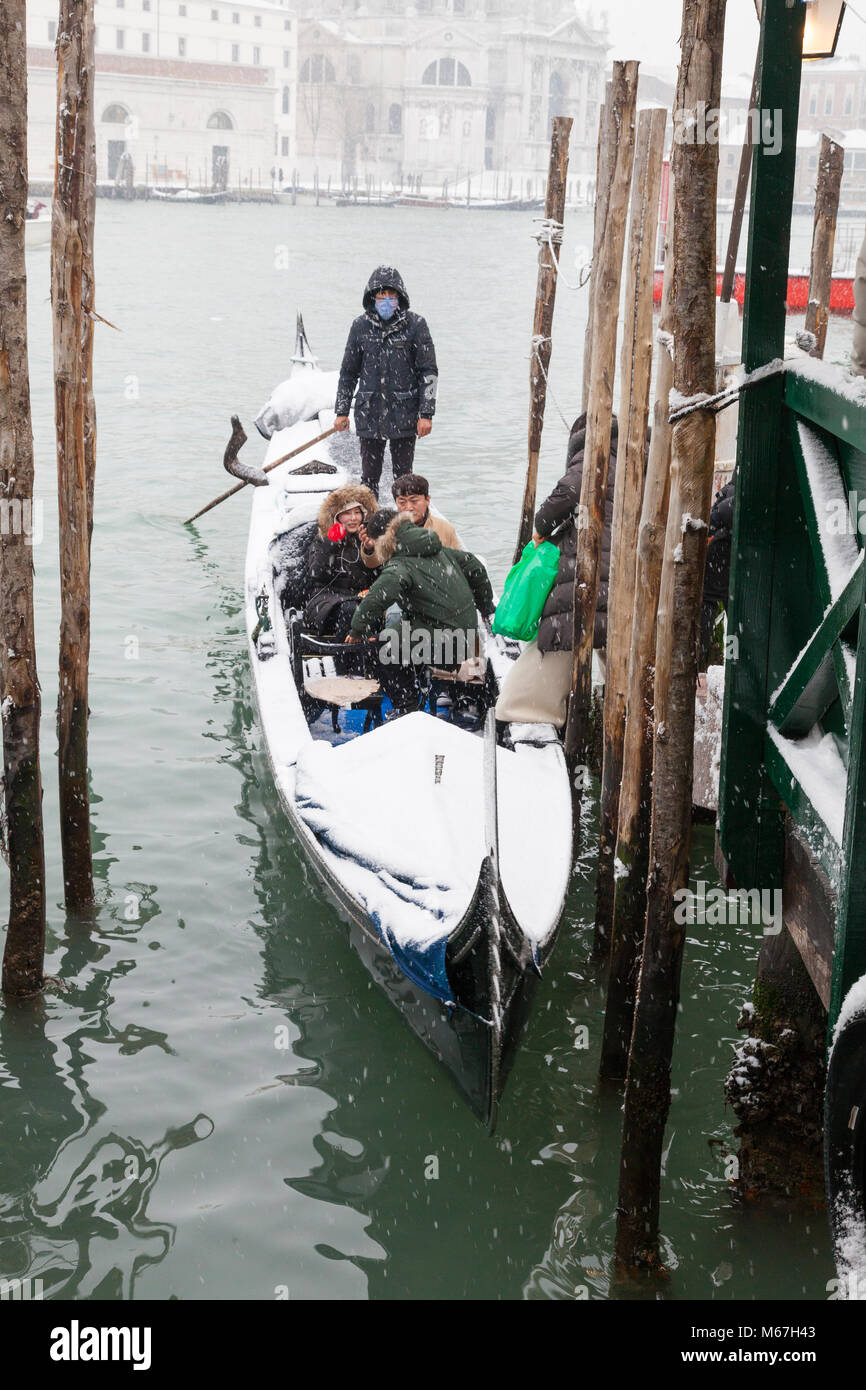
650	30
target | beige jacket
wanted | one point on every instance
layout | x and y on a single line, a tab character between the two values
444	530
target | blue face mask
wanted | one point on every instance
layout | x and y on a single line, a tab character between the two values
387	308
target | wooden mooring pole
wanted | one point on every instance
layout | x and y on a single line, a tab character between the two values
739	208
549	238
72	295
604	164
21	701
635	372
647	1096
607	273
635	795
829	182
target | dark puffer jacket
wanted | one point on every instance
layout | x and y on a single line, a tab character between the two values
336	569
434	587
555	521
721	529
717	572
392	364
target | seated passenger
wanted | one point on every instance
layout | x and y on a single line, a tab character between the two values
412	496
439	592
338	574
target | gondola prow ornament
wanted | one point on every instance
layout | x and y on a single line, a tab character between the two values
256	476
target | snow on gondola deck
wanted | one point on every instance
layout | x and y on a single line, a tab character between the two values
402	809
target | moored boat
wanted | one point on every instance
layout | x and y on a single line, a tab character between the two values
447	849
797	296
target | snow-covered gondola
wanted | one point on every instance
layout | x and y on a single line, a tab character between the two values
448	851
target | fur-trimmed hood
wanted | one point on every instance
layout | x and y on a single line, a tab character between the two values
403	537
350	495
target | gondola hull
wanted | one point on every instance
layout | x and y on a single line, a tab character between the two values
462	1037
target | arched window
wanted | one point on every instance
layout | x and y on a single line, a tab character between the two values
555	96
115	114
318	68
395	119
445	72
220	120
285	101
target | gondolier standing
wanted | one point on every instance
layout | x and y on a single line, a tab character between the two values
391	360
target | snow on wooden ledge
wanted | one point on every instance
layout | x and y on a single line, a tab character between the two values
818	767
837	379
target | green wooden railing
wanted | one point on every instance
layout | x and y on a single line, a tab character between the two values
797	672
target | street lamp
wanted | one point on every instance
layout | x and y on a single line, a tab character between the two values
823	22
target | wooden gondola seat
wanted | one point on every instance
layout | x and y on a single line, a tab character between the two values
347	692
470	672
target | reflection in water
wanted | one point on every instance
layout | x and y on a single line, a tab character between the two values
73	1208
73	1212
101	1211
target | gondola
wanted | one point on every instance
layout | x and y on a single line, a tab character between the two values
446	849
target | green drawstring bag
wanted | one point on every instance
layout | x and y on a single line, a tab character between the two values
525	593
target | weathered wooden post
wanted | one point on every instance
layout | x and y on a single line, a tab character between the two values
549	237
635	371
635	802
829	182
21	701
695	177
593	491
607	138
73	303
635	796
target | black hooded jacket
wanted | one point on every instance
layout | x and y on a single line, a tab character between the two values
555	521
393	366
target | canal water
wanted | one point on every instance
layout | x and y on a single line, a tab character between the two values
212	1101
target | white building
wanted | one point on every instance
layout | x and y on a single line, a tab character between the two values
182	86
442	90
447	89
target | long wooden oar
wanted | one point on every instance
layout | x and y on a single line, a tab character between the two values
237	487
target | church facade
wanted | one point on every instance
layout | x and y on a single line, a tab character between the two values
446	90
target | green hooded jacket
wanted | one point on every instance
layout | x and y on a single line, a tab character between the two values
433	586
